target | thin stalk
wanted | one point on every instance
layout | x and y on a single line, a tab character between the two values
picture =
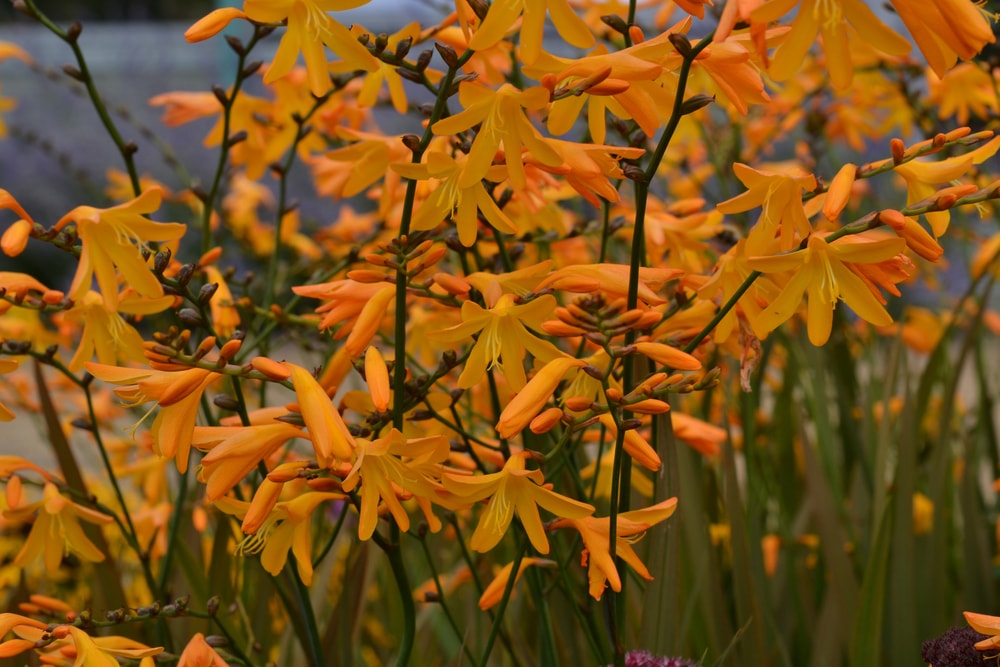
502	606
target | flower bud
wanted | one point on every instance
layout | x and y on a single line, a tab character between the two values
15	238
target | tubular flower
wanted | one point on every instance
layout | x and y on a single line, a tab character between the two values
199	653
503	122
6	366
493	592
177	393
115	237
945	29
823	270
455	196
504	339
385	467
309	28
503	14
286	527
780	197
56	530
327	429
829	18
513	489
358	307
533	397
233	451
596	534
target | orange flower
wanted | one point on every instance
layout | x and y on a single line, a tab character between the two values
199	653
115	237
358	307
946	29
178	393
493	592
233	451
596	534
511	490
327	430
532	398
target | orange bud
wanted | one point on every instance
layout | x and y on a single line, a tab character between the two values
286	472
15	238
272	369
230	348
53	296
367	275
839	192
377	375
205	346
609	87
559	328
199	519
668	356
771	546
614	394
649	406
13	491
452	284
546	421
898	149
210	257
578	403
212	24
636	35
958	133
369	320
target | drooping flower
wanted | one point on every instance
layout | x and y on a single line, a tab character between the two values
779	194
233	451
177	393
327	430
945	29
596	534
115	238
56	530
511	490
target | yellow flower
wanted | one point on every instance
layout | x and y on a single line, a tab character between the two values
106	333
780	197
309	28
922	175
56	530
286	527
383	71
503	14
456	196
823	270
394	462
504	339
829	18
596	534
513	489
115	237
104	651
501	115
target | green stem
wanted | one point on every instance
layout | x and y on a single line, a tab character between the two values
502	606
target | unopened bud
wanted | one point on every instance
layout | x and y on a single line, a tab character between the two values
15	238
448	54
615	22
546	421
682	44
72	72
73	32
274	370
898	149
696	102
